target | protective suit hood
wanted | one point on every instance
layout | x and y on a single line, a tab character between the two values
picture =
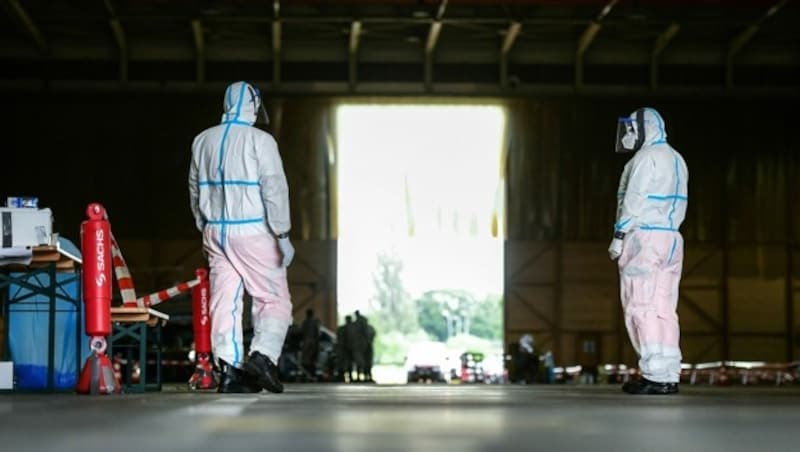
644	127
242	103
654	130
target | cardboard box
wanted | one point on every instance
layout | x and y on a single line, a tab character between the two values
25	227
6	375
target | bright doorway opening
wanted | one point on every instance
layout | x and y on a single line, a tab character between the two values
420	235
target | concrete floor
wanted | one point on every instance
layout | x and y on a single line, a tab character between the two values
407	418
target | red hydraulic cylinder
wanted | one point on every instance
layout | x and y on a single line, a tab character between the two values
203	376
96	249
200	313
97	376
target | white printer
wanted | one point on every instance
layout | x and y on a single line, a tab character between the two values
25	227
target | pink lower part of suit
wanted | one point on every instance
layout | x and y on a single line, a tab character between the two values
650	274
251	264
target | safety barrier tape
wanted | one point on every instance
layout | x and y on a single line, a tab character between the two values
164	295
124	279
126	287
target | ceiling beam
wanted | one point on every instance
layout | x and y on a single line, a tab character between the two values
25	21
430	46
120	39
122	46
727	21
511	36
441	10
743	38
430	43
398	88
276	52
662	42
355	35
433	36
200	49
276	43
509	39
110	8
586	40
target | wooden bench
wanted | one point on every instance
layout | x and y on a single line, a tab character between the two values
137	329
150	316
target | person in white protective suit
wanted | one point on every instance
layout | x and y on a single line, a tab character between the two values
240	201
651	206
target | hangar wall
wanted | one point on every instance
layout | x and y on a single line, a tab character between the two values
738	301
739	290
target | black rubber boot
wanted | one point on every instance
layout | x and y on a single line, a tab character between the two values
233	380
264	371
645	386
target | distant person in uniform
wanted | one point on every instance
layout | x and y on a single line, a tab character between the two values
357	337
344	361
310	330
527	363
369	356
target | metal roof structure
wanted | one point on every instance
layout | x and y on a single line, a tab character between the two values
403	46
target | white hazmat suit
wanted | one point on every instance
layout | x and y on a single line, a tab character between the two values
652	200
240	201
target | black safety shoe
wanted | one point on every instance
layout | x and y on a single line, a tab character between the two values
264	371
233	380
645	386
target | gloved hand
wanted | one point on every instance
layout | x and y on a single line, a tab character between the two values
287	251
615	249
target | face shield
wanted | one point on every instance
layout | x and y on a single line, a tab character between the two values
261	113
630	133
